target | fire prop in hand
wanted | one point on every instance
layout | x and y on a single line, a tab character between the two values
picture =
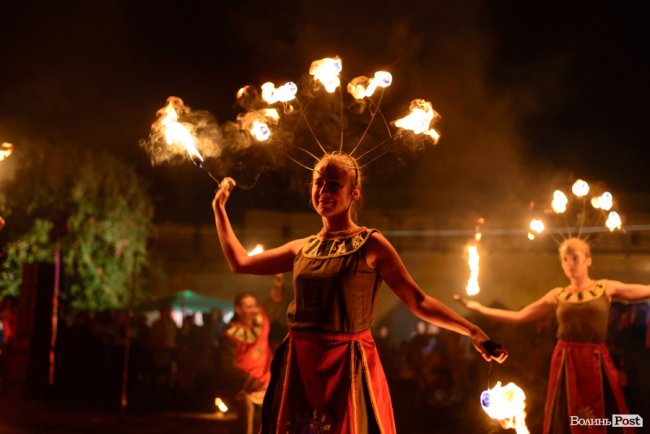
507	404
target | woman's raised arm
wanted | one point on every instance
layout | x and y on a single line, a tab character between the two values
272	261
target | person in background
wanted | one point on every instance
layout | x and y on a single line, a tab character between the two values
246	354
583	381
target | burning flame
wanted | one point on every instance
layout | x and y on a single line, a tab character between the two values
613	221
507	404
5	150
256	250
419	119
580	188
221	406
175	132
472	287
284	93
605	201
363	87
327	72
257	123
560	202
536	226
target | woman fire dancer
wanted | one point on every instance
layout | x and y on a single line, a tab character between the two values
583	378
326	376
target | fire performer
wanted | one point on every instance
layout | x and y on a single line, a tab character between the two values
577	386
246	354
326	376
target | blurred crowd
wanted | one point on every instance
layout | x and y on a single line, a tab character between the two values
178	368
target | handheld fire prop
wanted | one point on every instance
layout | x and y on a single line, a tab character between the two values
582	214
507	404
473	260
178	135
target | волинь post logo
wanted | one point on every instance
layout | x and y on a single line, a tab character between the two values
616	421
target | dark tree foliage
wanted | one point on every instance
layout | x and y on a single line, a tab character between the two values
91	207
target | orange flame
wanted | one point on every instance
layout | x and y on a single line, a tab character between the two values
559	202
507	404
605	201
363	87
473	260
613	221
5	150
327	72
175	132
221	406
536	226
257	123
419	119
284	93
580	188
259	248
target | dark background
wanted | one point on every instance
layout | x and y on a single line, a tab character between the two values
532	95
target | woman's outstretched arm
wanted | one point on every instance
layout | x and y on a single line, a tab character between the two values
272	261
532	312
627	291
383	257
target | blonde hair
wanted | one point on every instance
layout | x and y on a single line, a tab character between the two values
578	243
345	161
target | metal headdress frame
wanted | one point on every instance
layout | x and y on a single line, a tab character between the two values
580	219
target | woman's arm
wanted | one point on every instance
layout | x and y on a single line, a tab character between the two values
272	261
381	256
626	291
532	312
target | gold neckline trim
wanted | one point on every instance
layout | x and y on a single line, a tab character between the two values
592	292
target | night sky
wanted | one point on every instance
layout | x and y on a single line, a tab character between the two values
531	94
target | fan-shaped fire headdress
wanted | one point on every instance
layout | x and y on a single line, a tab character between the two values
585	211
273	115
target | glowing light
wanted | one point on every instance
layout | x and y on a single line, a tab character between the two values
536	226
221	406
327	72
559	202
605	201
257	123
580	188
473	260
5	150
507	404
363	87
284	93
176	132
259	248
419	119
613	221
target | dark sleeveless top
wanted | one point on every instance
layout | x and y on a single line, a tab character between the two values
582	316
335	291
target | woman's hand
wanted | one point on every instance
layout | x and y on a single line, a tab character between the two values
223	193
489	349
469	304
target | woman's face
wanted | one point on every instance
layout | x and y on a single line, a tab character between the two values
332	192
575	261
